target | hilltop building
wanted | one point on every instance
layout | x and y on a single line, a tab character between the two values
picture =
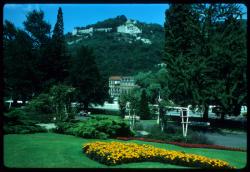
89	31
120	84
129	28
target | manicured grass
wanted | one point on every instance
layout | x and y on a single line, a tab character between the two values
43	150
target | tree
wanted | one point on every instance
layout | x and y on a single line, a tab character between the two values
231	74
85	76
204	83
143	107
202	71
59	59
181	33
61	97
39	31
154	83
19	65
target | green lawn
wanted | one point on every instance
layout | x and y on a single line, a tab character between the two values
43	150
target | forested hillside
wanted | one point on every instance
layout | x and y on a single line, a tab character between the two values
121	53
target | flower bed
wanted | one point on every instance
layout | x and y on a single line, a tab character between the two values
112	153
184	144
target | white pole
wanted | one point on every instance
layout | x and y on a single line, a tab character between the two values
182	121
186	127
133	118
10	105
158	118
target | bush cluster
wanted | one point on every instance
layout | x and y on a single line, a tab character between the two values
96	127
174	133
16	122
117	153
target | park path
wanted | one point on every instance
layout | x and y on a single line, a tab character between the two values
230	139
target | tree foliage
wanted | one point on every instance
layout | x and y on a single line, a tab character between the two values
85	76
59	56
119	49
144	112
61	97
37	27
204	47
20	73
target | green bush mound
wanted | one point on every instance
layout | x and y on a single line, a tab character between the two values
95	127
17	122
174	133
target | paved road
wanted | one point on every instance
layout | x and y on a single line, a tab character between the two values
236	139
48	126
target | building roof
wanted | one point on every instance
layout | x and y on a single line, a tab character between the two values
115	78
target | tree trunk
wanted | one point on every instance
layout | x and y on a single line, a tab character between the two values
123	111
205	114
222	116
236	110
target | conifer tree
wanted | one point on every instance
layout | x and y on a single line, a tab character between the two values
85	76
144	109
59	58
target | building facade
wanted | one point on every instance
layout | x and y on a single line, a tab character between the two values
129	28
120	85
84	31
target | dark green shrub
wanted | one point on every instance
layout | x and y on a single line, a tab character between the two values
40	108
22	129
17	122
174	133
198	138
101	135
62	127
15	116
96	127
139	126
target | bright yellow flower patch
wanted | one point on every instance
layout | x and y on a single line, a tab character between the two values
112	153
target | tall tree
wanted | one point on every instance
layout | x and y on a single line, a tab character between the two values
39	31
59	58
37	27
203	83
85	76
217	56
181	33
19	65
231	55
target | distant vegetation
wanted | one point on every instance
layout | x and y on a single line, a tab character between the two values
122	54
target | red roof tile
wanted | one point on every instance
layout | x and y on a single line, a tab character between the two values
115	78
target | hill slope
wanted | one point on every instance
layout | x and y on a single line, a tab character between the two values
120	53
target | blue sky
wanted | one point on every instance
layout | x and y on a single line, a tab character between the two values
84	14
